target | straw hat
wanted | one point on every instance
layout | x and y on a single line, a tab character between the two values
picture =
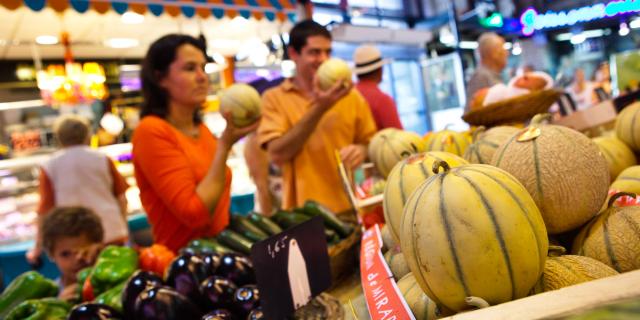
367	58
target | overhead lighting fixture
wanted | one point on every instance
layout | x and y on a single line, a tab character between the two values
634	24
586	34
624	29
46	40
212	67
517	49
446	37
130	67
121	43
132	18
578	38
471	45
507	46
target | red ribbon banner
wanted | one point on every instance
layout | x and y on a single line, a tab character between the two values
384	300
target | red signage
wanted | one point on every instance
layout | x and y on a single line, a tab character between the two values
384	300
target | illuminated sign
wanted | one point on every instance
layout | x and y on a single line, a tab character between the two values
532	20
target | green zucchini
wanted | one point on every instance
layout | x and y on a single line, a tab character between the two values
235	241
313	209
243	226
207	245
286	219
265	224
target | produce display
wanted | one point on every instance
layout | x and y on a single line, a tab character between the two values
618	155
628	180
419	303
389	146
243	102
627	126
486	142
448	141
561	168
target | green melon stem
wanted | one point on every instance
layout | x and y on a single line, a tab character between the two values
440	163
476	302
556	251
618	195
476	133
540	117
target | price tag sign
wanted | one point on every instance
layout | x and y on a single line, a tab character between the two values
291	268
381	292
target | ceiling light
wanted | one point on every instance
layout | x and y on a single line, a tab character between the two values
624	29
212	67
468	45
507	46
130	67
132	18
517	49
634	24
578	38
46	40
586	34
121	43
446	37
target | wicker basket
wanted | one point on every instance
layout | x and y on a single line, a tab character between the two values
344	256
517	109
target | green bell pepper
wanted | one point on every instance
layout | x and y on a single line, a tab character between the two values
43	309
29	285
114	265
112	297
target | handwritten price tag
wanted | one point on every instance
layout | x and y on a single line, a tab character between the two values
384	300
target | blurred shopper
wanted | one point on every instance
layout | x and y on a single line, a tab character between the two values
76	175
581	90
303	127
180	166
368	67
602	81
72	238
493	59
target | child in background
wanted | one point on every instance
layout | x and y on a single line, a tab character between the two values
72	238
76	175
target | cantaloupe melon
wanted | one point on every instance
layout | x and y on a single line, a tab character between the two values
388	241
473	231
243	101
397	263
628	180
448	141
331	71
405	177
566	270
613	237
618	155
487	142
421	306
561	168
389	146
628	126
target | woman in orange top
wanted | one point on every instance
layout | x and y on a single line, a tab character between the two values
180	166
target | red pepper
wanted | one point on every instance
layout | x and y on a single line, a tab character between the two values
87	290
156	258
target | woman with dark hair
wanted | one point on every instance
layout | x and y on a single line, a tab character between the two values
180	166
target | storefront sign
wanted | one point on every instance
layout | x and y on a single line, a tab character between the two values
384	300
532	20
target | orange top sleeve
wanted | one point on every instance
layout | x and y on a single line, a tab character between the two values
45	189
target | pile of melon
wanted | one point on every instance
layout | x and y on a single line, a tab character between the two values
473	219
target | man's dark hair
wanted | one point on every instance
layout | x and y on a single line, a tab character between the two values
303	30
155	66
64	222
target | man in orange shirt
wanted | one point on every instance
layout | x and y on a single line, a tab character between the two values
302	126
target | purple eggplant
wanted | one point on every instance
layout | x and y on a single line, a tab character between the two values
256	314
212	261
185	274
220	314
246	299
218	292
94	311
237	268
164	303
139	281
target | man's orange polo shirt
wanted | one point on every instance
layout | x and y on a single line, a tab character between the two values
313	172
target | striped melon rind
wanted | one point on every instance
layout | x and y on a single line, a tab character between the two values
448	141
405	177
628	180
613	237
243	101
563	170
473	231
397	263
618	155
389	146
486	144
421	306
628	126
567	270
